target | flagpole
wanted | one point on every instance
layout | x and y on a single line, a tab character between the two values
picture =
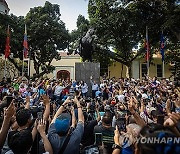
163	62
7	50
162	52
5	68
29	67
163	69
147	52
23	65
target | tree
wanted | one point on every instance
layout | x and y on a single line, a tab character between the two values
46	35
16	25
82	27
173	57
121	25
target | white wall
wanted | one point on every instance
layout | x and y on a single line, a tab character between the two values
135	69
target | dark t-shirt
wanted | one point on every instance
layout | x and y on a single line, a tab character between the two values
73	144
108	136
88	138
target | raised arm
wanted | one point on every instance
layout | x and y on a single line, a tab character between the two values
80	113
61	109
41	129
9	112
168	106
137	117
46	102
27	105
97	112
73	117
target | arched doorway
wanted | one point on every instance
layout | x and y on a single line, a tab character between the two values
63	75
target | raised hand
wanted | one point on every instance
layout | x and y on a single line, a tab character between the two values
172	120
10	111
45	99
41	126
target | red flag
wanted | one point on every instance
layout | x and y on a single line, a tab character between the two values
7	48
25	44
147	46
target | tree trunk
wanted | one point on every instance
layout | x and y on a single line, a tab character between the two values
129	70
122	68
17	67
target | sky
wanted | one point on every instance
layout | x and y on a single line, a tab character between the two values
69	9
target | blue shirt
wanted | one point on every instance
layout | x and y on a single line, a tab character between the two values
74	142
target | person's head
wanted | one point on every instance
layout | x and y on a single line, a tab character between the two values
24	117
62	124
107	119
20	142
11	89
28	89
22	86
158	133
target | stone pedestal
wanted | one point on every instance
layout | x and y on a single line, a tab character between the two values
83	71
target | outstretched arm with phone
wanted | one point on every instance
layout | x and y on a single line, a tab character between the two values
61	109
73	117
9	112
116	141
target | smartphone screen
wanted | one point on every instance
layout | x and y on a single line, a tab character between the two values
121	123
177	110
9	100
98	138
160	119
39	115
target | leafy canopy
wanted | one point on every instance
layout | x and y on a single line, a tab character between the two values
46	35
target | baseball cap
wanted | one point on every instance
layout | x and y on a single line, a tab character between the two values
62	123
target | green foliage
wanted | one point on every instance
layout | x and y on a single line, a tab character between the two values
121	24
46	35
173	57
82	27
16	34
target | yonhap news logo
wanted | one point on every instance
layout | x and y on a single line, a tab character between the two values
159	140
126	141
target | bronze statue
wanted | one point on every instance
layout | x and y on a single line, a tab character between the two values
86	45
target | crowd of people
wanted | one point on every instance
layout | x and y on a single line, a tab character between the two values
71	117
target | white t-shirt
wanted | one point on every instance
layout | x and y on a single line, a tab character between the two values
121	98
95	87
58	90
84	88
102	85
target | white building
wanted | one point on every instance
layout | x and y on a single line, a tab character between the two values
4	9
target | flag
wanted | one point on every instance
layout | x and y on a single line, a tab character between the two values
147	46
7	48
162	45
25	44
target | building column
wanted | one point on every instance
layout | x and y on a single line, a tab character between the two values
54	74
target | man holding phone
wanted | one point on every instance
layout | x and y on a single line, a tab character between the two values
107	132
